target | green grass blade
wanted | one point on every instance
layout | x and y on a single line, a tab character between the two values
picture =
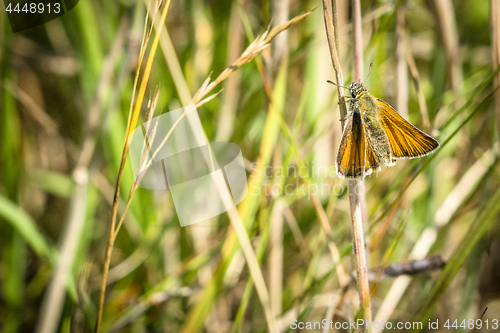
25	225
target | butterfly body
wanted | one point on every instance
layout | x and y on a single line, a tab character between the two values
375	134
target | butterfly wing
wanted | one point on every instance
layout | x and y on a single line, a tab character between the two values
353	152
406	140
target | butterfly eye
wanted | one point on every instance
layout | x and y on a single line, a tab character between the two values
353	94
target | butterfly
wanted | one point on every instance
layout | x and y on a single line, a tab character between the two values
376	134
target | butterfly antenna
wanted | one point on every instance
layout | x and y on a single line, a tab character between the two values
338	85
369	71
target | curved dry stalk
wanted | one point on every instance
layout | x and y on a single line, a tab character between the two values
357	192
355	187
331	33
131	123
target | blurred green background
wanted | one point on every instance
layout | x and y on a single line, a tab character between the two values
65	92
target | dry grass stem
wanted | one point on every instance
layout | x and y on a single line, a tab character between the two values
357	40
145	161
357	191
355	187
131	124
331	32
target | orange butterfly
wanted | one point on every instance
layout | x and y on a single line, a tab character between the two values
375	134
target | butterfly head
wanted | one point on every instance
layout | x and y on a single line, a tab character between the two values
356	88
